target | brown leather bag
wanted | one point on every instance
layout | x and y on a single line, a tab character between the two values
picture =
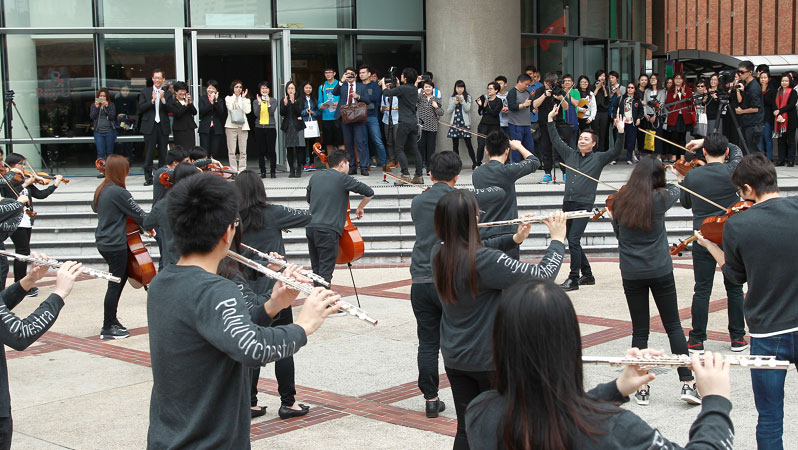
355	113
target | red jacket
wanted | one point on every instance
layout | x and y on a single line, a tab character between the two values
686	109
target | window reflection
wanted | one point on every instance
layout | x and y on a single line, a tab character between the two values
314	14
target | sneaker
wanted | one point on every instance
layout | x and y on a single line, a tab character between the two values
690	394
642	396
738	345
405	178
432	408
119	324
418	179
695	346
629	163
563	177
312	167
34	291
635	158
101	175
546	179
306	168
612	163
114	332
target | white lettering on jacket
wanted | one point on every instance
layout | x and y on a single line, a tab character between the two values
246	336
35	326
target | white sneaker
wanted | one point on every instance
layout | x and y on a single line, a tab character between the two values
642	396
690	394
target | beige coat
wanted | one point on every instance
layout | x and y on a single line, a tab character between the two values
245	104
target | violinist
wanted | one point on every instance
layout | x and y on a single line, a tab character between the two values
444	169
11	212
765	260
328	196
712	182
113	204
639	224
580	191
262	224
24	185
175	156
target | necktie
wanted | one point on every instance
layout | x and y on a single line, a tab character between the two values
351	92
158	106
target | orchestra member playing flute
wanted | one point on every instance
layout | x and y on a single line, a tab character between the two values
469	277
202	336
540	402
580	192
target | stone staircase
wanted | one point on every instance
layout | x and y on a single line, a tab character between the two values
64	227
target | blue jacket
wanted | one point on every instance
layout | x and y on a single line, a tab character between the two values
342	90
315	112
373	98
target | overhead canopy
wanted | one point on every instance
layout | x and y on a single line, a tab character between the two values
703	62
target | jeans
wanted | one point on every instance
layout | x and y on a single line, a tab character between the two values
284	368
704	272
768	388
630	137
427	309
105	143
767	140
753	137
151	141
575	228
21	240
6	432
426	146
486	130
373	129
523	134
265	141
466	386
355	139
664	291
323	249
407	141
213	144
117	265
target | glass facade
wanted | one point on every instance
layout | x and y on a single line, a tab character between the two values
56	73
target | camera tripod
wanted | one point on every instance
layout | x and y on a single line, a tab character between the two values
724	108
9	103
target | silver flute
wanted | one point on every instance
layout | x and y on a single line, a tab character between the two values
56	264
299	286
648	361
283	263
536	219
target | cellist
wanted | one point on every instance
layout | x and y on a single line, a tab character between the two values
113	204
712	181
328	196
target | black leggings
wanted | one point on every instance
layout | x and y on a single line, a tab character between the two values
426	145
295	157
664	291
21	240
283	370
485	129
469	146
786	152
466	386
117	265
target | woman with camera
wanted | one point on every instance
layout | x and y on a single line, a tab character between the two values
630	109
212	114
429	109
310	112
292	127
102	115
490	107
460	109
237	127
653	99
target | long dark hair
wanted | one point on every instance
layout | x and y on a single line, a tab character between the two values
539	369
251	200
634	204
116	169
456	225
460	83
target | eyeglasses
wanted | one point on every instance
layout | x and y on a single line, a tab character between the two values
742	72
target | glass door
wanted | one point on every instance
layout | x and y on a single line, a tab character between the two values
281	74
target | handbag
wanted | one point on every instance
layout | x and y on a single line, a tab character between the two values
353	113
648	145
700	128
237	115
311	129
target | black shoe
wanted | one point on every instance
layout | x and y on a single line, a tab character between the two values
263	174
695	346
147	182
780	163
286	413
353	171
261	411
119	324
101	175
113	333
33	292
738	345
587	280
571	284
434	407
298	173
272	174
364	172
790	164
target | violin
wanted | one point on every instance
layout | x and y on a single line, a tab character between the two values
712	227
609	202
225	172
47	177
36	177
683	166
350	245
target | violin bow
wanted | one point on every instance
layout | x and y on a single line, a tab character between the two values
465	130
588	176
402	180
656	136
681	186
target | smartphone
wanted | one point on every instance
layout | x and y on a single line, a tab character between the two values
99	100
424	77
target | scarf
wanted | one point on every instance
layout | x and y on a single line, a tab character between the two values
781	102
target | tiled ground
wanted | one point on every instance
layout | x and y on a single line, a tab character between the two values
71	390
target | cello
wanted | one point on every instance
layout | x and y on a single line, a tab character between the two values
140	268
350	245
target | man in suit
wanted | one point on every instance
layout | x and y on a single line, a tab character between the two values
350	92
154	122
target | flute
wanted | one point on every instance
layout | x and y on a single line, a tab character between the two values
96	273
648	361
299	286
281	262
536	219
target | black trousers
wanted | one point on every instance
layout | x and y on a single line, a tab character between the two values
466	386
265	141
3	265
151	141
664	291
6	432
295	157
21	240
469	146
546	150
284	368
486	129
426	145
117	265
427	309
787	146
575	228
704	272
407	142
213	144
601	124
323	249
184	138
753	137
